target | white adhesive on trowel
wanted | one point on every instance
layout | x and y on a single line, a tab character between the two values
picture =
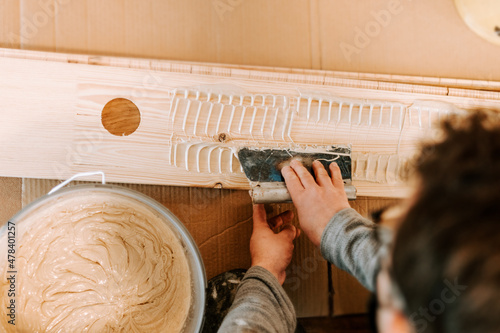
299	149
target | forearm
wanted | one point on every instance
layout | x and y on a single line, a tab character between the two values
260	305
349	242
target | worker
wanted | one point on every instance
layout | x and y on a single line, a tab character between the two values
437	269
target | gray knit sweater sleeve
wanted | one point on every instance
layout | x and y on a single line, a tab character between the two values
260	305
349	242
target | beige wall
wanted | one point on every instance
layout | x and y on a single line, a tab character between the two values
423	38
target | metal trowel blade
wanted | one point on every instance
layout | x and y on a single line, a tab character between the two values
262	166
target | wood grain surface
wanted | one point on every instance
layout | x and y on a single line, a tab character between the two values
54	127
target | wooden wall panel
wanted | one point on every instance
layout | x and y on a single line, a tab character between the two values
420	38
225	31
56	108
10	23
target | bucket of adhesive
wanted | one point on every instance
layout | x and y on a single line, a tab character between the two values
96	258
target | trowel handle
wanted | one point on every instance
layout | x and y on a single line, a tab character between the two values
279	194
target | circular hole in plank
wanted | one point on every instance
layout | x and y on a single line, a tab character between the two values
120	117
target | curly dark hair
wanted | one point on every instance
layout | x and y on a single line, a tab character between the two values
446	258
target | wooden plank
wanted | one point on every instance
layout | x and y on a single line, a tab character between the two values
58	130
393	82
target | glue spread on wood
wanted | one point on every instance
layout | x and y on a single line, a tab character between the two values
425	114
204	112
325	107
199	114
204	157
378	168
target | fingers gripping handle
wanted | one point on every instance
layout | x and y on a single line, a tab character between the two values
277	193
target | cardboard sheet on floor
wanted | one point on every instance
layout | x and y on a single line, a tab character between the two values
220	222
349	296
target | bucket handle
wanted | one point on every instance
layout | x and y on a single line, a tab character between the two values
78	175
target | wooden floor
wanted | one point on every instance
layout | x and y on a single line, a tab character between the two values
340	324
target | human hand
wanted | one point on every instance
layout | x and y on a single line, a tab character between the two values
271	244
317	201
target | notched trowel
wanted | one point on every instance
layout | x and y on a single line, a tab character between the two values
263	166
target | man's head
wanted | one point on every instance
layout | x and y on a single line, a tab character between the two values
446	256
